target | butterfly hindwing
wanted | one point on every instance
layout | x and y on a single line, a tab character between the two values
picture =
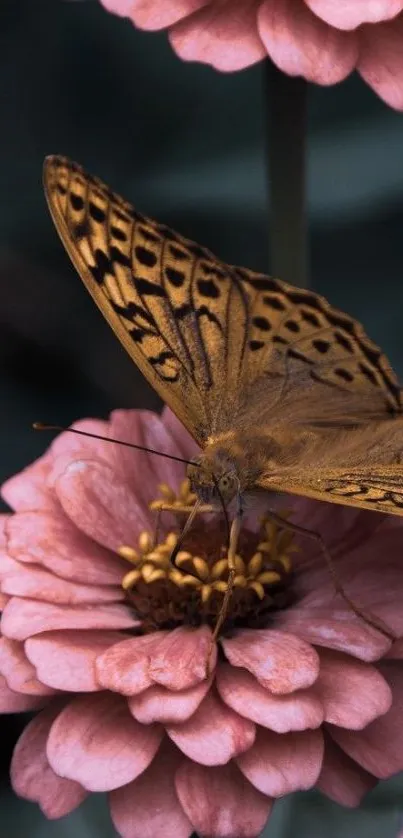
377	488
355	466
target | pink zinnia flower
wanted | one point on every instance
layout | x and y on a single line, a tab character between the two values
321	40
132	697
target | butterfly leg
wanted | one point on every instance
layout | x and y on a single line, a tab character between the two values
175	510
157	524
368	618
198	507
232	549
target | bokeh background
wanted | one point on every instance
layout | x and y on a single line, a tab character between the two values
189	147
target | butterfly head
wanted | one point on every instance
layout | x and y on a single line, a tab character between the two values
214	481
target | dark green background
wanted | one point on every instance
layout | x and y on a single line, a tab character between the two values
186	145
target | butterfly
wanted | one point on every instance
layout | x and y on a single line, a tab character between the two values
282	391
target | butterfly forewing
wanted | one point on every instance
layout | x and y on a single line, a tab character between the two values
227	348
125	262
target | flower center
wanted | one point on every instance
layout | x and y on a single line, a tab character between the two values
191	591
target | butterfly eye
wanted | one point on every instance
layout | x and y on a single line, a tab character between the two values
226	485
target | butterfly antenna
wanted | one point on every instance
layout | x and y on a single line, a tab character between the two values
373	621
40	426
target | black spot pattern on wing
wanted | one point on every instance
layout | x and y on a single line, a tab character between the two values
208	288
292	326
96	212
321	346
118	234
383	500
102	266
262	323
145	287
145	256
76	202
274	302
177	278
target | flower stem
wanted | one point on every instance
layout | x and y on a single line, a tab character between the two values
286	157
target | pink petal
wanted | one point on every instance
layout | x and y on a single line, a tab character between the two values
348	532
384	602
158	704
96	742
219	802
149	807
12	702
281	662
381	60
124	667
221	34
66	660
101	506
118	7
23	618
54	542
8	565
396	650
81	446
150	15
352	693
33	778
141	427
185	444
302	45
341	779
279	764
184	657
144	427
240	691
335	629
348	14
28	489
4	519
18	671
214	734
350	552
39	584
379	747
